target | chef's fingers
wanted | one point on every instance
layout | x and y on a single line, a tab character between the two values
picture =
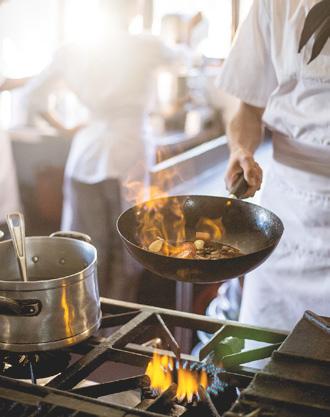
250	169
253	176
244	163
234	170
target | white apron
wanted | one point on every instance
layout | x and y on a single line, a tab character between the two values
113	149
9	199
265	70
297	275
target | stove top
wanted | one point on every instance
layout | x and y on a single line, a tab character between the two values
124	338
33	365
296	382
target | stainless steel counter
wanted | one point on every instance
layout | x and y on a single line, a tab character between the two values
201	170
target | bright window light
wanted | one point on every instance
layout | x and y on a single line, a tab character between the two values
83	21
28	32
217	18
136	26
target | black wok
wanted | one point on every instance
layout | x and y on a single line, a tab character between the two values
254	230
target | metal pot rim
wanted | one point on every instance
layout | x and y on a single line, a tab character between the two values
54	282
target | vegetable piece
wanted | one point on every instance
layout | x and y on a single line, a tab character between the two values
199	244
186	254
187	251
156	245
203	236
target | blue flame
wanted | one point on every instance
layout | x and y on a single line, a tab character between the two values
214	373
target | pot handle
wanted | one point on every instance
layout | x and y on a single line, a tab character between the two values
72	235
12	307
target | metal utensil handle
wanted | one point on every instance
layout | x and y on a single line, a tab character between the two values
239	188
16	227
72	235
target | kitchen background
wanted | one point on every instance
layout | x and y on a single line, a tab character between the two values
187	140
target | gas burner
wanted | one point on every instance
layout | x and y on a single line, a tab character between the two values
33	365
295	383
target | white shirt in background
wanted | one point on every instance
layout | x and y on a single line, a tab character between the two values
9	197
114	81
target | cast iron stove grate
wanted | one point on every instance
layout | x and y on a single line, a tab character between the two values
296	382
131	325
33	365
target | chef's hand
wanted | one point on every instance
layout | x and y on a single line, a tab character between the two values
69	133
55	121
242	161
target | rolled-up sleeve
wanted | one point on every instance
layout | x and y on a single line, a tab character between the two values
39	89
248	72
2	80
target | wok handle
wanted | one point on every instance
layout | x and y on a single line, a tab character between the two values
239	188
12	307
72	235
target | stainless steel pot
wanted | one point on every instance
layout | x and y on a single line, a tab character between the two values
59	305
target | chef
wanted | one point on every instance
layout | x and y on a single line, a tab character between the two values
9	195
279	88
113	80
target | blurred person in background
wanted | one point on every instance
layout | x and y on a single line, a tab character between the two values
9	196
113	80
283	89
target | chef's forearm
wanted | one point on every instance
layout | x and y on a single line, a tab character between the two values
12	83
52	120
245	130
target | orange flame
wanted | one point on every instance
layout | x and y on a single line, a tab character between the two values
204	381
213	228
161	218
187	385
160	370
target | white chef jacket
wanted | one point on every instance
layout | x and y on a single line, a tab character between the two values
9	198
114	81
264	69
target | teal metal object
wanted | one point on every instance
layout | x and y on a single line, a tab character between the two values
228	346
225	348
230	361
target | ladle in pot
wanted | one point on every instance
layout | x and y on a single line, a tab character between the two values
16	225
